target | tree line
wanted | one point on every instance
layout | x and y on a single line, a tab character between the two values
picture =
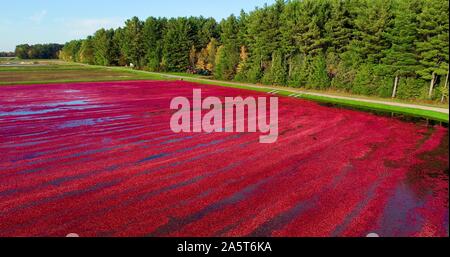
38	51
386	48
7	54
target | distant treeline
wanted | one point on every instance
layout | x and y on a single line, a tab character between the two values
7	54
386	48
39	51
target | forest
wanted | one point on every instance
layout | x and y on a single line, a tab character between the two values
38	51
384	48
7	54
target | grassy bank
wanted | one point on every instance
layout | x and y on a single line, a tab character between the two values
57	73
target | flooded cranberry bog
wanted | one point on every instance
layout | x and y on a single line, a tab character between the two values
100	159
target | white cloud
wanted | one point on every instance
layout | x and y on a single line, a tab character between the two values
38	17
85	27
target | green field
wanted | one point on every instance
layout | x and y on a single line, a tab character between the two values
40	72
60	72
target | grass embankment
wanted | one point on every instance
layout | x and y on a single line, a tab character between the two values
56	73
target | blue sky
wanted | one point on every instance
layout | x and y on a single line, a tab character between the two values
56	21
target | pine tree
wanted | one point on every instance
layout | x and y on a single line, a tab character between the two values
338	28
70	51
433	43
291	25
301	36
243	22
86	54
227	57
401	57
104	51
153	42
373	21
301	71
177	45
134	42
208	29
219	65
363	80
119	45
318	77
211	50
22	51
276	74
312	40
264	29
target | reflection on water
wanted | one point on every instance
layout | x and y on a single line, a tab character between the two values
426	182
400	215
403	117
92	121
430	176
75	102
78	123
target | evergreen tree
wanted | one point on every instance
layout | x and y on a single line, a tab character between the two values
211	50
21	51
264	29
208	29
70	51
346	66
338	28
301	36
177	45
363	81
104	51
134	41
433	43
119	46
227	57
371	26
242	29
301	71
86	54
153	42
318	77
276	74
401	57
